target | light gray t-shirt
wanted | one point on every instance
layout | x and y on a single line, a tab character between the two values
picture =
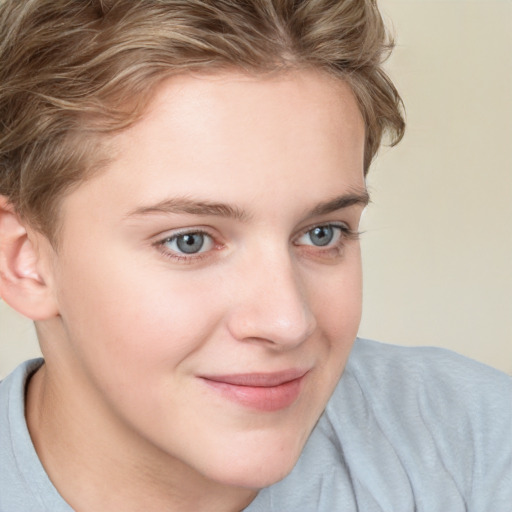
406	430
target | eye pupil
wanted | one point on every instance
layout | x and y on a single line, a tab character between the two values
321	235
190	243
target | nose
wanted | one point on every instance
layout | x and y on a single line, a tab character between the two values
270	304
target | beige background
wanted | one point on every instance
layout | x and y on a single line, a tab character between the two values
438	247
438	241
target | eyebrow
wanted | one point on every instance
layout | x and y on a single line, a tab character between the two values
189	206
360	198
184	205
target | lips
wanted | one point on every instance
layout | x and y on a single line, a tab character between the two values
262	391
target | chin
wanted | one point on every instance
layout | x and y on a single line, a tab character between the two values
258	477
261	467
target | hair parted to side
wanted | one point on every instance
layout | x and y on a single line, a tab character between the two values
75	69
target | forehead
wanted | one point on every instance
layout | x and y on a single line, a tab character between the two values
230	100
239	139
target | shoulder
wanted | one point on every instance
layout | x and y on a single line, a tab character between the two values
400	375
393	365
427	387
23	483
434	413
13	386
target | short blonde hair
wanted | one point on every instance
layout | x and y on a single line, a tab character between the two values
75	69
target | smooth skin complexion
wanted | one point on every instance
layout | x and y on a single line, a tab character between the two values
204	296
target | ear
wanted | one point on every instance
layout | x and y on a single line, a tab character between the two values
23	284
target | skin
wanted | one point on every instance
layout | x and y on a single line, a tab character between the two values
120	415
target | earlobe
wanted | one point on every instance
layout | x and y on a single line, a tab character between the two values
21	284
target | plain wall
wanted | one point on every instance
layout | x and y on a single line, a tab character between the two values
437	250
438	247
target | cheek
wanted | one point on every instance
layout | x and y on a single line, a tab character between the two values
337	298
338	304
133	316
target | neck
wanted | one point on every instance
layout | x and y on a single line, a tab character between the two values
95	465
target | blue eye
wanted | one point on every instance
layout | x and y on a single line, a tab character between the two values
189	243
322	236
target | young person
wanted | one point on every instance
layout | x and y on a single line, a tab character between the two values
181	184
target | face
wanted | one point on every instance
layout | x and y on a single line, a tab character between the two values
209	280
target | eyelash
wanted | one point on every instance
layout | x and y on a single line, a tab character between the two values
182	257
336	250
345	234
